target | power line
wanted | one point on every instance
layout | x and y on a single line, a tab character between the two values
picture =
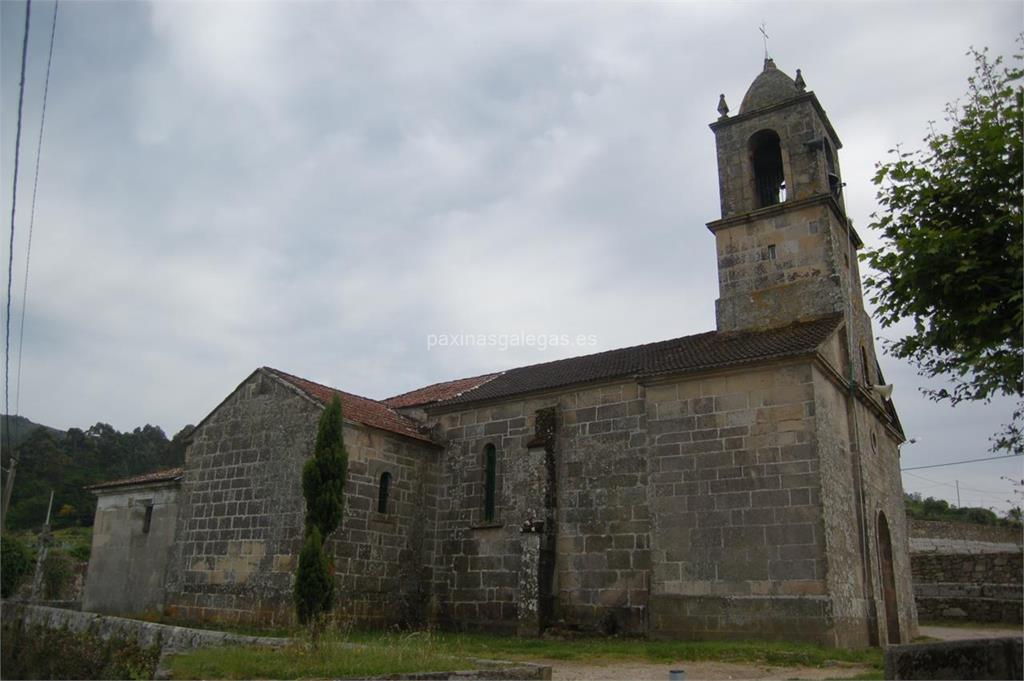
957	463
10	274
32	212
950	484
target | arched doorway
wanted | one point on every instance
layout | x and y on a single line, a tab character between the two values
892	612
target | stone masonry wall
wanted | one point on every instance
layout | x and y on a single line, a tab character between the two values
991	534
968	572
241	521
128	562
884	495
757	290
738	545
601	575
845	574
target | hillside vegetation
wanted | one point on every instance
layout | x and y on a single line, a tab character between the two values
69	462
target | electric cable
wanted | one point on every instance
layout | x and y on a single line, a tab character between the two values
32	211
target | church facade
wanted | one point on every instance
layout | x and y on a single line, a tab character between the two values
740	483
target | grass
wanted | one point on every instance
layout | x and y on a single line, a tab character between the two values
389	653
773	653
332	659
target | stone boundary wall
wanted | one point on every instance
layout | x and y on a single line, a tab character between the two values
172	638
146	634
986	658
969	572
938	529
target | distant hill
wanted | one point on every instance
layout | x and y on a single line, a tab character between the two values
68	462
21	428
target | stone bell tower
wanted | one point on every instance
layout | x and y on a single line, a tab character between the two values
785	246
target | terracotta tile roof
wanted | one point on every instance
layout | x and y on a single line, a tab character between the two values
710	350
165	475
438	392
355	408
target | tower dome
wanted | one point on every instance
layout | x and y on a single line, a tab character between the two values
770	87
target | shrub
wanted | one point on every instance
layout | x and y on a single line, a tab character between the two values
36	652
56	574
15	564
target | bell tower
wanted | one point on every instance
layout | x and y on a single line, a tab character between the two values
785	246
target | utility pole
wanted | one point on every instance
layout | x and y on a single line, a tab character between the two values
44	546
957	493
8	488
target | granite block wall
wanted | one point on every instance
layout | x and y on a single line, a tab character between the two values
738	543
967	572
241	523
601	574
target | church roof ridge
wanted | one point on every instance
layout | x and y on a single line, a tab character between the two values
436	392
705	350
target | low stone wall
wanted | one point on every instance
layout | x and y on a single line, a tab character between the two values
991	534
172	639
146	634
968	572
988	658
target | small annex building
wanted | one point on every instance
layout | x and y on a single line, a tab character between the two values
132	534
739	483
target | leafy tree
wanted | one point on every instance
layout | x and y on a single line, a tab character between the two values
952	257
323	486
69	462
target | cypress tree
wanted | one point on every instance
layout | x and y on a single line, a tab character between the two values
314	586
323	487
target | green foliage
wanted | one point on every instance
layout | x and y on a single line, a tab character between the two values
323	476
15	564
36	652
323	486
76	542
952	257
69	462
314	583
56	574
930	508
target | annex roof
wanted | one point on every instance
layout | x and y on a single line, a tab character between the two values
356	408
713	349
165	475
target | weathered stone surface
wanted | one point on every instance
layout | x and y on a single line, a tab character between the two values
967	572
991	658
240	528
128	561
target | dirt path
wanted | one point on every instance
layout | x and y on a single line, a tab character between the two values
962	633
639	671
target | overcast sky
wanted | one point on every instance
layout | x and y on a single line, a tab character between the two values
319	187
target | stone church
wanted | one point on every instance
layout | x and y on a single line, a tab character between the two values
739	483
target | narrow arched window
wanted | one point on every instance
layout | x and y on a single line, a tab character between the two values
490	481
864	363
834	186
766	159
382	492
